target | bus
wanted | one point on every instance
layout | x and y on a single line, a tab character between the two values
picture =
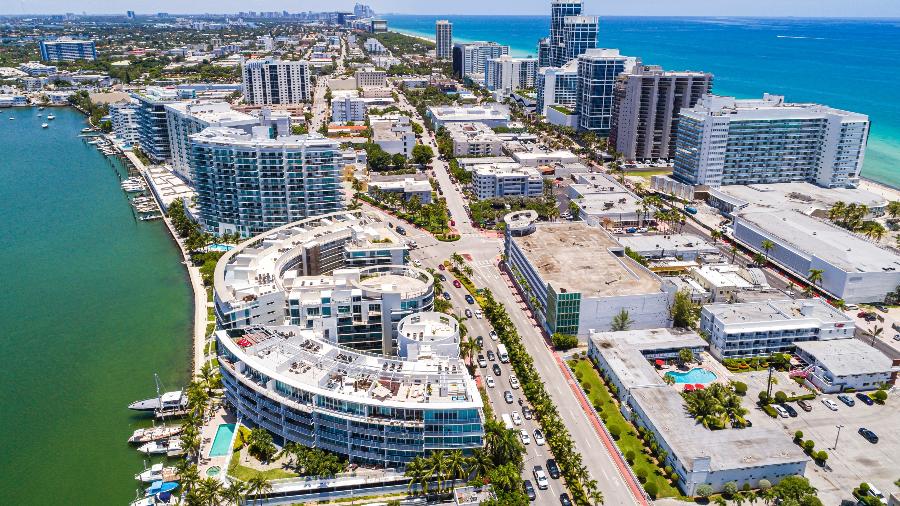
502	353
507	421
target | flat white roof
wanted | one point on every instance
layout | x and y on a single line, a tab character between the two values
778	311
846	357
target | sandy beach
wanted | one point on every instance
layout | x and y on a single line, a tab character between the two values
879	189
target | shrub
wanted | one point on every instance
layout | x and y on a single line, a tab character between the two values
822	456
668	470
651	489
641	475
808	445
629	455
564	341
598	405
880	396
746	487
615	431
798	436
864	488
740	387
763	398
780	397
769	410
765	484
704	491
587	388
729	489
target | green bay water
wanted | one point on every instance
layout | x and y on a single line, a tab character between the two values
845	63
95	302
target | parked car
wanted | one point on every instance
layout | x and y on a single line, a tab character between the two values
468	313
446	295
442	277
529	490
507	396
527	413
526	440
846	399
489	381
539	475
805	406
457	284
491	355
783	413
869	435
865	398
553	469
539	437
400	230
516	418
830	404
880	308
493	335
496	370
482	362
790	409
479	341
564	499
852	307
469	299
441	267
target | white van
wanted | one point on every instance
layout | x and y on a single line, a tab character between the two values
874	492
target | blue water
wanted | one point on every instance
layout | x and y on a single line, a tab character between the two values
848	64
695	375
220	247
222	442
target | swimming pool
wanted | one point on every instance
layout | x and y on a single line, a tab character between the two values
220	247
695	375
222	442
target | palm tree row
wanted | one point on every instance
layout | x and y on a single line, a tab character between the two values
441	469
852	217
715	406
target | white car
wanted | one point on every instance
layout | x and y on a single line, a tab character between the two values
516	418
781	411
526	439
540	477
513	381
830	404
490	382
479	314
493	336
539	437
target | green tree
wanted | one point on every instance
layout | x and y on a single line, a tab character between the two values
564	341
793	488
686	355
257	486
879	396
422	154
234	493
398	160
729	489
767	245
261	445
684	312
622	321
704	490
815	276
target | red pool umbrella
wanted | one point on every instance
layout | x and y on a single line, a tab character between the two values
660	362
698	386
689	388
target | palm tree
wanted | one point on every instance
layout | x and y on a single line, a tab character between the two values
417	472
622	321
876	331
210	491
734	251
234	493
257	486
594	493
716	235
438	468
837	211
767	245
208	376
815	276
456	465
457	259
893	208
479	465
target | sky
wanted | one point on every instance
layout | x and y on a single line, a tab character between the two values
800	8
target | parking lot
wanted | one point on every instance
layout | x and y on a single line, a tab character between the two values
855	459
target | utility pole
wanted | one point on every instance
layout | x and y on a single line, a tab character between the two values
839	427
769	384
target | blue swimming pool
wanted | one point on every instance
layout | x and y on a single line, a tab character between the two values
695	375
222	441
220	247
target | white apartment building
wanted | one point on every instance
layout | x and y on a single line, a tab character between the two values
507	74
724	141
370	77
469	58
188	118
273	82
373	46
493	115
124	118
844	365
393	132
408	187
474	139
506	180
347	106
557	86
443	38
538	158
754	329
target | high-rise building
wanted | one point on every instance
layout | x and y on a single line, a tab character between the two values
559	10
273	82
187	118
443	38
363	11
153	125
469	58
579	33
544	58
557	86
251	183
646	107
507	74
598	70
724	141
66	49
124	118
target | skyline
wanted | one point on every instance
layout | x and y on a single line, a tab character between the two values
882	9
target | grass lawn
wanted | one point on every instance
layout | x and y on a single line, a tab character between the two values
648	173
628	440
244	473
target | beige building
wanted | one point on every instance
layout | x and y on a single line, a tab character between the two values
474	139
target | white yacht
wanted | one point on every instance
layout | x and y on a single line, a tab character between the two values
161	447
44	125
157	472
154	434
50	116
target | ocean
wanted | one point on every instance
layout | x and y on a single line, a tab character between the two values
844	63
95	302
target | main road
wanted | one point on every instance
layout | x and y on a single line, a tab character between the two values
482	251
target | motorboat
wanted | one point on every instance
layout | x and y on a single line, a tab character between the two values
159	487
44	125
145	501
173	400
41	108
11	118
141	436
157	472
50	116
161	447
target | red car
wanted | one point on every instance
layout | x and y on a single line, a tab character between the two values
452	223
457	284
441	266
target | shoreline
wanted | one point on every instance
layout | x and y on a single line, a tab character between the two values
885	190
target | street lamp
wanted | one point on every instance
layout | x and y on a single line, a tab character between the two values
839	427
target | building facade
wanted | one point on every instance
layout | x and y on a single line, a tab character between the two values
443	38
368	409
394	133
153	121
251	183
370	78
184	119
598	70
66	49
647	103
124	118
845	365
555	47
506	180
724	141
557	86
470	58
507	74
274	82
474	139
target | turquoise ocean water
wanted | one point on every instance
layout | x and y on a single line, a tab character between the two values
848	64
94	302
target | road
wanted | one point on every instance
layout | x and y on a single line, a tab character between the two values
482	251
